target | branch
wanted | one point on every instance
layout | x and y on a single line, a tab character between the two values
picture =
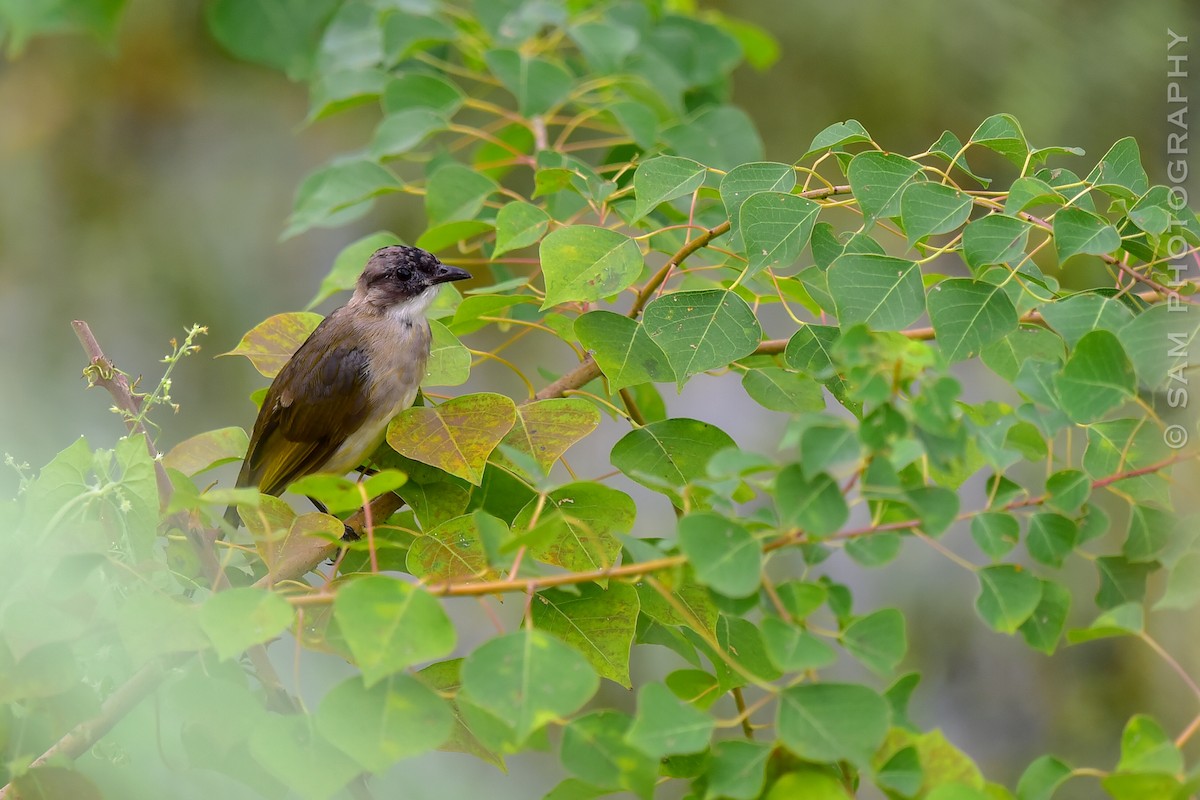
80	738
102	372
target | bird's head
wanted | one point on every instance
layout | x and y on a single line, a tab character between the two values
400	277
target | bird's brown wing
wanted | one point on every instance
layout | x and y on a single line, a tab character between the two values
318	399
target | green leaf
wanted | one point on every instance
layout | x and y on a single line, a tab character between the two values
994	239
585	263
594	748
378	725
665	725
877	640
1068	490
1162	342
664	178
673	452
598	622
878	180
793	649
1008	595
828	722
1145	747
528	678
400	132
1002	133
449	361
414	90
1096	378
405	34
519	225
968	315
389	625
701	330
1120	173
1152	212
456	192
1122	620
720	137
1183	583
995	533
783	390
538	83
724	554
1150	531
737	769
577	525
336	188
456	436
1027	192
775	227
690	597
1051	538
278	33
468	317
1045	625
931	208
243	616
814	505
883	292
152	624
623	350
1026	343
1042	777
298	756
839	134
1077	231
745	180
1121	580
604	43
1082	313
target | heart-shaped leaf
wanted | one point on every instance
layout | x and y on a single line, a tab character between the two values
456	436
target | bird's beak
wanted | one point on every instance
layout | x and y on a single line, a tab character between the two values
446	273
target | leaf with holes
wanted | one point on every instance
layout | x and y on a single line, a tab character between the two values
576	526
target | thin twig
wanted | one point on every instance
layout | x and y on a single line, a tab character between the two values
102	372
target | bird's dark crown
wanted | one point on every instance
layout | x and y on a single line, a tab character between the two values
398	273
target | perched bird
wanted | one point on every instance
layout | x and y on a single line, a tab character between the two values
329	406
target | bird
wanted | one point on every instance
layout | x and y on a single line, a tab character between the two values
329	407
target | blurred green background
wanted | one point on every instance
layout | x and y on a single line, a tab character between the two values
144	185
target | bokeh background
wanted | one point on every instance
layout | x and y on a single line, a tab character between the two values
144	186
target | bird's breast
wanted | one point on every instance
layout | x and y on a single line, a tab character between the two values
397	354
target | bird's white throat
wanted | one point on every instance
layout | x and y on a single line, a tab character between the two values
414	308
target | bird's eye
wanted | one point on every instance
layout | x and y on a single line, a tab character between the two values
404	274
